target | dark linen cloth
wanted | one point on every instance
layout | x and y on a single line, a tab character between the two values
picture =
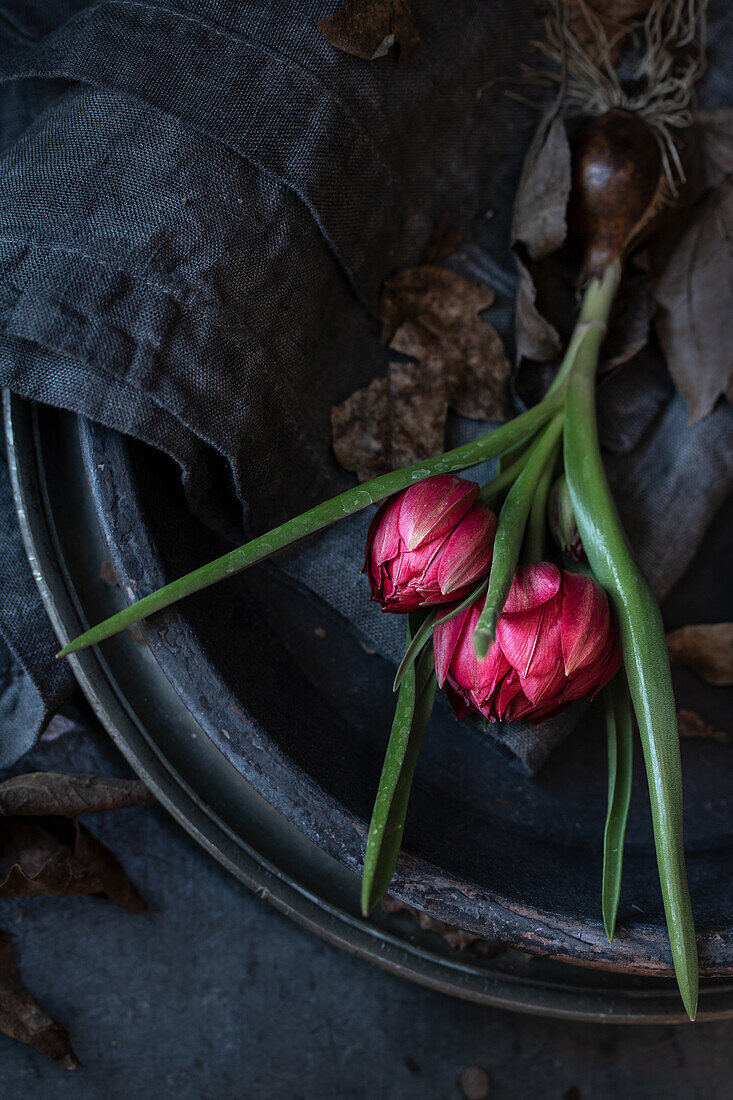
198	205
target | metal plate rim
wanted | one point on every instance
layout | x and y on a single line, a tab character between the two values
289	897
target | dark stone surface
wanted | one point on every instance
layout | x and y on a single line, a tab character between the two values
213	995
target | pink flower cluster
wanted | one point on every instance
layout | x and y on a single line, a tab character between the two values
555	638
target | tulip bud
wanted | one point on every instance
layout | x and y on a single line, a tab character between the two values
561	519
555	643
429	544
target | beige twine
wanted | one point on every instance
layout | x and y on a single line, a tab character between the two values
663	56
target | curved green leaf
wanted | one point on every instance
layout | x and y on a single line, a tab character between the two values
414	707
645	652
323	515
510	533
619	734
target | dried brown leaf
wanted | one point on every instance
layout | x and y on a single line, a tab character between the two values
710	148
50	856
448	336
693	292
432	315
21	1018
632	318
539	226
691	724
441	299
392	422
706	648
369	28
68	795
536	339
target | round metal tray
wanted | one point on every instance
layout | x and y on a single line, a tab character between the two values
209	797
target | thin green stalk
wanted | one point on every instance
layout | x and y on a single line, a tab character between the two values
534	541
594	312
642	639
323	515
425	632
464	604
505	477
421	637
620	742
510	532
414	707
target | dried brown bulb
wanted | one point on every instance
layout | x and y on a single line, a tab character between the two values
617	172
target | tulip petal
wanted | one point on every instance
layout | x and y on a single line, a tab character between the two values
432	508
539	687
457	700
533	584
491	670
465	664
504	701
445	639
585	620
528	629
383	539
531	640
609	668
466	554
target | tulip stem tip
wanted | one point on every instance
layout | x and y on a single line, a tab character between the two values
482	639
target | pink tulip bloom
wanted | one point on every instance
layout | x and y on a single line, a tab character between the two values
555	643
429	544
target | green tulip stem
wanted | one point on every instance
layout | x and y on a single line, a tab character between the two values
534	540
592	321
510	533
419	640
488	446
640	629
504	478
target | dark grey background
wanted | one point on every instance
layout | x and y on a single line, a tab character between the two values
214	995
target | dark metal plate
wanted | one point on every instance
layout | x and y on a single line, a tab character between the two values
208	794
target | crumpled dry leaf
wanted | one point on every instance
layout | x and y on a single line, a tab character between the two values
539	225
45	851
68	795
691	263
23	1019
51	856
691	724
394	421
431	314
633	314
693	292
539	228
369	28
707	151
706	648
